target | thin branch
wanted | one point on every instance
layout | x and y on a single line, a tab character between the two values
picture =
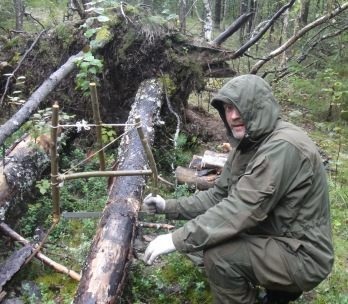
18	66
330	35
259	35
235	26
298	35
35	19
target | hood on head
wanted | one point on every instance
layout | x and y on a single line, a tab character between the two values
253	98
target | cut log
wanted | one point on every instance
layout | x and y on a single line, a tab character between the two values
43	258
110	254
196	162
190	177
213	159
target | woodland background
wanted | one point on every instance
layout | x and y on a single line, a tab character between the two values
191	47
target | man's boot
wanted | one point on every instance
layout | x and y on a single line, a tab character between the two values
280	297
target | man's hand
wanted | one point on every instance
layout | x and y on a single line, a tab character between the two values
154	204
160	245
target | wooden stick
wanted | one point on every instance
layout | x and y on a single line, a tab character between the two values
149	155
63	177
97	120
46	260
156	225
54	164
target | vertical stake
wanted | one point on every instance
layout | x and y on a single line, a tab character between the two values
149	155
54	163
97	120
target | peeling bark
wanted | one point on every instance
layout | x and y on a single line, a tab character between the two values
111	252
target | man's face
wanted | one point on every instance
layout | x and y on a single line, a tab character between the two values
235	121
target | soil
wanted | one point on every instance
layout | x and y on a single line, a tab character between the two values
207	125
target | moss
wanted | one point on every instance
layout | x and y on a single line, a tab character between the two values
169	84
54	284
103	35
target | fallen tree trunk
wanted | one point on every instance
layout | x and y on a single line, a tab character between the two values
111	251
23	167
11	266
21	116
43	258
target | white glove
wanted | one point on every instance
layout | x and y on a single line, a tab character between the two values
154	204
160	245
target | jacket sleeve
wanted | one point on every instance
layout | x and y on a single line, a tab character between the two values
276	167
191	207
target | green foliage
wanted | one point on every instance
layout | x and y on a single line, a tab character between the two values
44	186
108	134
169	156
89	68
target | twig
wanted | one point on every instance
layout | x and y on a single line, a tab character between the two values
18	66
36	20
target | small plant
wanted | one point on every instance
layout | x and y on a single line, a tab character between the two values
89	68
108	134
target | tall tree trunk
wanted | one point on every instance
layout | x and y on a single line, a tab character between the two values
208	21
251	9
218	14
19	11
304	12
182	15
242	10
111	252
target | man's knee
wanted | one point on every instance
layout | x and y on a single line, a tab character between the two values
228	263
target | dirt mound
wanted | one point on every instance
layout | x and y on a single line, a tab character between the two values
207	125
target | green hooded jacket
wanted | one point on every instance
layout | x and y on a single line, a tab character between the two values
272	185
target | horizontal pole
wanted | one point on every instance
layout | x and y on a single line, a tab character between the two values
63	177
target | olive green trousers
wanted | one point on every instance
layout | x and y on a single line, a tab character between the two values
236	268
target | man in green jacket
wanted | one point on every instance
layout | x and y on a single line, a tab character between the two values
266	222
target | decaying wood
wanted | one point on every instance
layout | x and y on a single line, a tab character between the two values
14	263
4	228
111	251
190	177
23	167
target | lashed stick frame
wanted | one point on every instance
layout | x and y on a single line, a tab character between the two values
57	179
